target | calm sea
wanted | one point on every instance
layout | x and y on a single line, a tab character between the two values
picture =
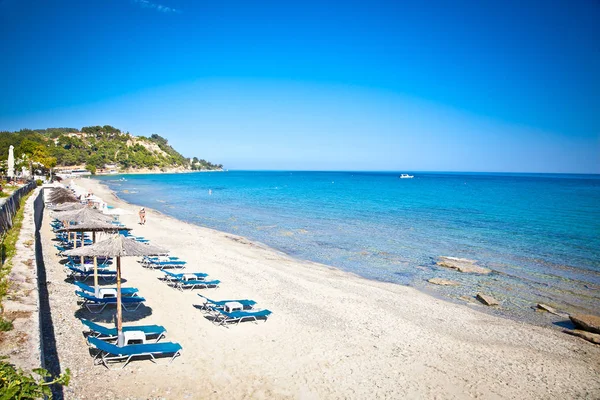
540	233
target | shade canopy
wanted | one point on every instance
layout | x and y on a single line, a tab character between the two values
68	207
82	215
93	226
117	246
62	195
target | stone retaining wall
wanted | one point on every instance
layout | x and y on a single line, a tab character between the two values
22	344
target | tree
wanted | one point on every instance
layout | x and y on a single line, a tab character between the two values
36	152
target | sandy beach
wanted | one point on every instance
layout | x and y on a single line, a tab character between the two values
331	335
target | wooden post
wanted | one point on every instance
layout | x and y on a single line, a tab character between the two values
96	288
81	260
120	337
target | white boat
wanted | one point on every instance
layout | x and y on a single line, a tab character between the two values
406	176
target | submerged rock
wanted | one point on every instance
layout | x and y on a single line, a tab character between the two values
545	307
590	337
590	323
487	300
468	299
443	282
551	310
462	265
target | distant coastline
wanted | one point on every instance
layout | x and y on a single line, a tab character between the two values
158	171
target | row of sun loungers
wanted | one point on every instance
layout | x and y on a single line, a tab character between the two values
146	338
95	300
223	311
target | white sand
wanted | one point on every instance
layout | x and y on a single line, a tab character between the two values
331	335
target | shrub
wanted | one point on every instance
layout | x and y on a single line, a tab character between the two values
39	182
16	384
5	325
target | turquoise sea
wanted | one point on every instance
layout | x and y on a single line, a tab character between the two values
539	233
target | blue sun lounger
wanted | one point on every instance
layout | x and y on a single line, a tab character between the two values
194	283
66	241
224	317
210	304
62	249
108	352
89	260
140	239
82	275
95	304
90	290
104	333
165	264
171	276
151	259
86	266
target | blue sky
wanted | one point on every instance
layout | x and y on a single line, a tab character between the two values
379	85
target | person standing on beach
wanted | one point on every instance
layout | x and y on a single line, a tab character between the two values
142	215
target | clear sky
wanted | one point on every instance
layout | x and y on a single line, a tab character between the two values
370	85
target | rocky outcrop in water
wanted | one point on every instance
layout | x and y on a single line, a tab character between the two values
590	337
590	323
443	282
462	265
551	310
487	300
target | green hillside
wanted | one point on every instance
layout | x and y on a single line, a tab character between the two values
95	147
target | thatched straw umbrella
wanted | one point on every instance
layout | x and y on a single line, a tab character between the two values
83	215
94	226
118	246
68	207
62	195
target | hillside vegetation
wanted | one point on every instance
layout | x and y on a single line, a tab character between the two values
95	147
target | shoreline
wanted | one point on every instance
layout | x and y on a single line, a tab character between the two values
529	314
478	307
332	334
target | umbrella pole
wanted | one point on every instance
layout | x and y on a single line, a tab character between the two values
96	288
68	232
120	336
81	260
